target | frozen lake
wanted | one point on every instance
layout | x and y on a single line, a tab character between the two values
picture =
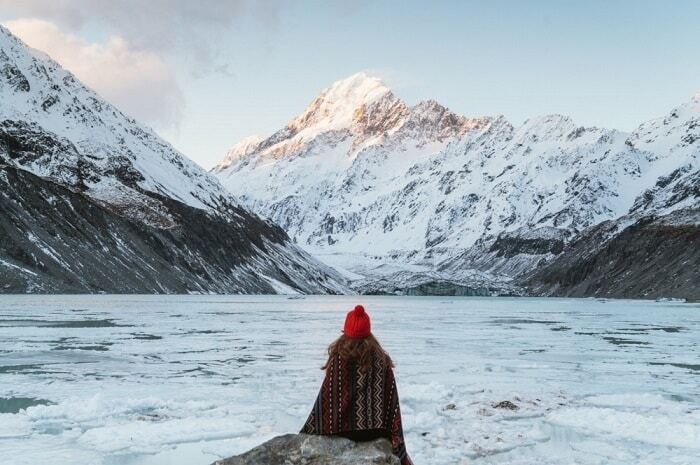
170	380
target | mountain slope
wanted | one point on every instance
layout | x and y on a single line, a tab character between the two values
93	201
652	257
53	239
102	152
423	190
653	250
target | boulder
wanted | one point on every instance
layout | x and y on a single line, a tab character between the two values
506	404
298	449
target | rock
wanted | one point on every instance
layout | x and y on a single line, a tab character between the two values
298	449
506	404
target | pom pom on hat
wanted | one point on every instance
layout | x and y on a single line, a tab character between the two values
357	323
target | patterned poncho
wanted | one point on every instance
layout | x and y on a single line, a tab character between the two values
352	402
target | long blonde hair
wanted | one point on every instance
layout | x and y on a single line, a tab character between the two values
363	351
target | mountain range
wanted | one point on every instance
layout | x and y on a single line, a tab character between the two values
416	199
361	192
93	201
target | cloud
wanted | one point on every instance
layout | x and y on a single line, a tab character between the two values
180	26
130	51
137	81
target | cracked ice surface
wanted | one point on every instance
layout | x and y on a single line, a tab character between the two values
155	380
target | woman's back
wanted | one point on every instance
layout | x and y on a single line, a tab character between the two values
358	398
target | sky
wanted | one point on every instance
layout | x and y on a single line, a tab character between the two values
206	74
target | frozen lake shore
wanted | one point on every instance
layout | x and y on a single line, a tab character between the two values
150	380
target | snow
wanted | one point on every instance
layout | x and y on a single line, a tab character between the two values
155	380
12	265
245	147
280	287
335	106
46	249
655	429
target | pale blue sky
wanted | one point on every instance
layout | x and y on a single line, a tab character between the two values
605	63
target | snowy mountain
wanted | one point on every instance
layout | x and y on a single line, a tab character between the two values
654	249
383	190
94	201
99	150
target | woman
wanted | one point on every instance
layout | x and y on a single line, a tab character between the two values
358	398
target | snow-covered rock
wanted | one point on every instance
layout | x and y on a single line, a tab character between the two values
366	182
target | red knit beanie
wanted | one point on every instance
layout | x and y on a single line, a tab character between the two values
357	324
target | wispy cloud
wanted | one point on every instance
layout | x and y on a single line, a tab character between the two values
185	26
131	51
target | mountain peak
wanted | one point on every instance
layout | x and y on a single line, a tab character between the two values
335	106
244	147
6	32
359	88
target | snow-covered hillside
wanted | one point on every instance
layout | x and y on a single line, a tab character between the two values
91	200
377	187
104	152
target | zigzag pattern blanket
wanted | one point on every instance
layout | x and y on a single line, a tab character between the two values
352	401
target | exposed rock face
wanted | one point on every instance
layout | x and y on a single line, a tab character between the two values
55	240
436	283
301	449
650	258
509	245
92	201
